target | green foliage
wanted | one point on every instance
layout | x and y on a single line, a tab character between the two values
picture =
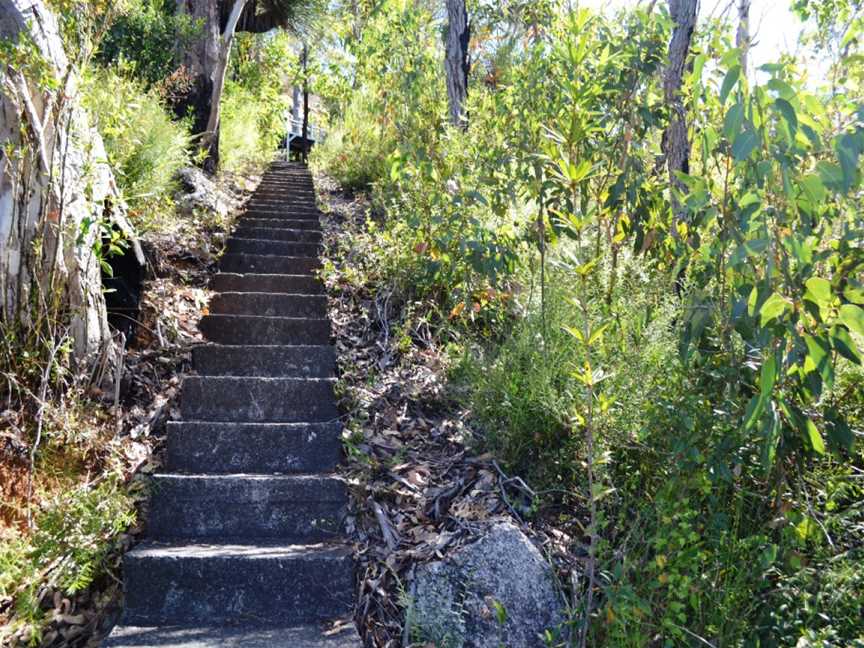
356	150
254	103
777	259
146	38
144	146
690	386
75	533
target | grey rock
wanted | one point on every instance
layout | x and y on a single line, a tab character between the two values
199	192
460	602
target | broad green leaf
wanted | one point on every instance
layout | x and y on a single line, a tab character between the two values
733	121
831	174
815	437
768	376
818	291
788	113
854	292
755	407
783	89
813	188
744	145
853	317
843	344
729	82
819	359
772	309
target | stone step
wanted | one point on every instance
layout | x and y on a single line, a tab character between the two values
285	196
296	361
186	583
283	208
277	283
293	508
268	264
339	633
283	187
258	400
277	223
286	212
237	245
285	190
212	447
269	304
300	205
252	329
297	235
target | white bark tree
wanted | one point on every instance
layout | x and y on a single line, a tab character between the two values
57	192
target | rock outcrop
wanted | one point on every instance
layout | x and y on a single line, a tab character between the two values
496	592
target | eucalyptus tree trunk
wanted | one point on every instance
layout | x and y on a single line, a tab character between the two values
742	36
456	60
57	193
676	142
211	136
199	59
304	59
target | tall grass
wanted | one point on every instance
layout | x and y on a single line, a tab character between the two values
144	146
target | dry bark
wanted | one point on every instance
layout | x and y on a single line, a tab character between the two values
456	60
57	192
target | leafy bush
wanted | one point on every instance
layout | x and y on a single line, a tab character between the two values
678	368
144	146
74	535
254	103
357	149
243	142
146	37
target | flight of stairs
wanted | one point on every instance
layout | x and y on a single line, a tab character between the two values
244	542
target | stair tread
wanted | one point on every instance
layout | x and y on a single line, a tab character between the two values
338	634
243	541
217	447
252	549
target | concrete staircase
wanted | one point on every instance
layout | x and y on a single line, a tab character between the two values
243	545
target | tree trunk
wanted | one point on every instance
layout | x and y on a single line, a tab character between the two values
57	193
676	143
210	141
456	60
199	59
742	36
305	132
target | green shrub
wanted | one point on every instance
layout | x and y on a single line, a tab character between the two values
144	146
244	137
254	103
74	535
522	392
356	150
147	37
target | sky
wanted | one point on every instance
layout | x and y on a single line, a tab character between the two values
774	26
